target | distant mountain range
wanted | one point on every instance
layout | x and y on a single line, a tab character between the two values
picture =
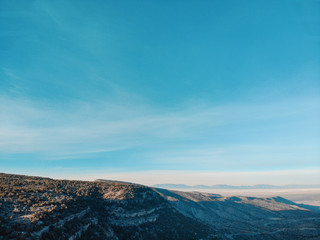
222	186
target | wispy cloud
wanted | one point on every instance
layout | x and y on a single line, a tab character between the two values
225	136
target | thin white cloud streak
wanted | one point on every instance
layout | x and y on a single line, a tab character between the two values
27	127
237	155
82	128
85	124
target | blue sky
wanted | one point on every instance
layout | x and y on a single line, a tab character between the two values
92	88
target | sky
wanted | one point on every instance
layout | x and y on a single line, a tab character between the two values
193	92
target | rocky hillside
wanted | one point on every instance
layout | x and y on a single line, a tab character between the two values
43	208
241	217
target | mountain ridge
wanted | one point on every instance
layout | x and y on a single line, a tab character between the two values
44	208
225	186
